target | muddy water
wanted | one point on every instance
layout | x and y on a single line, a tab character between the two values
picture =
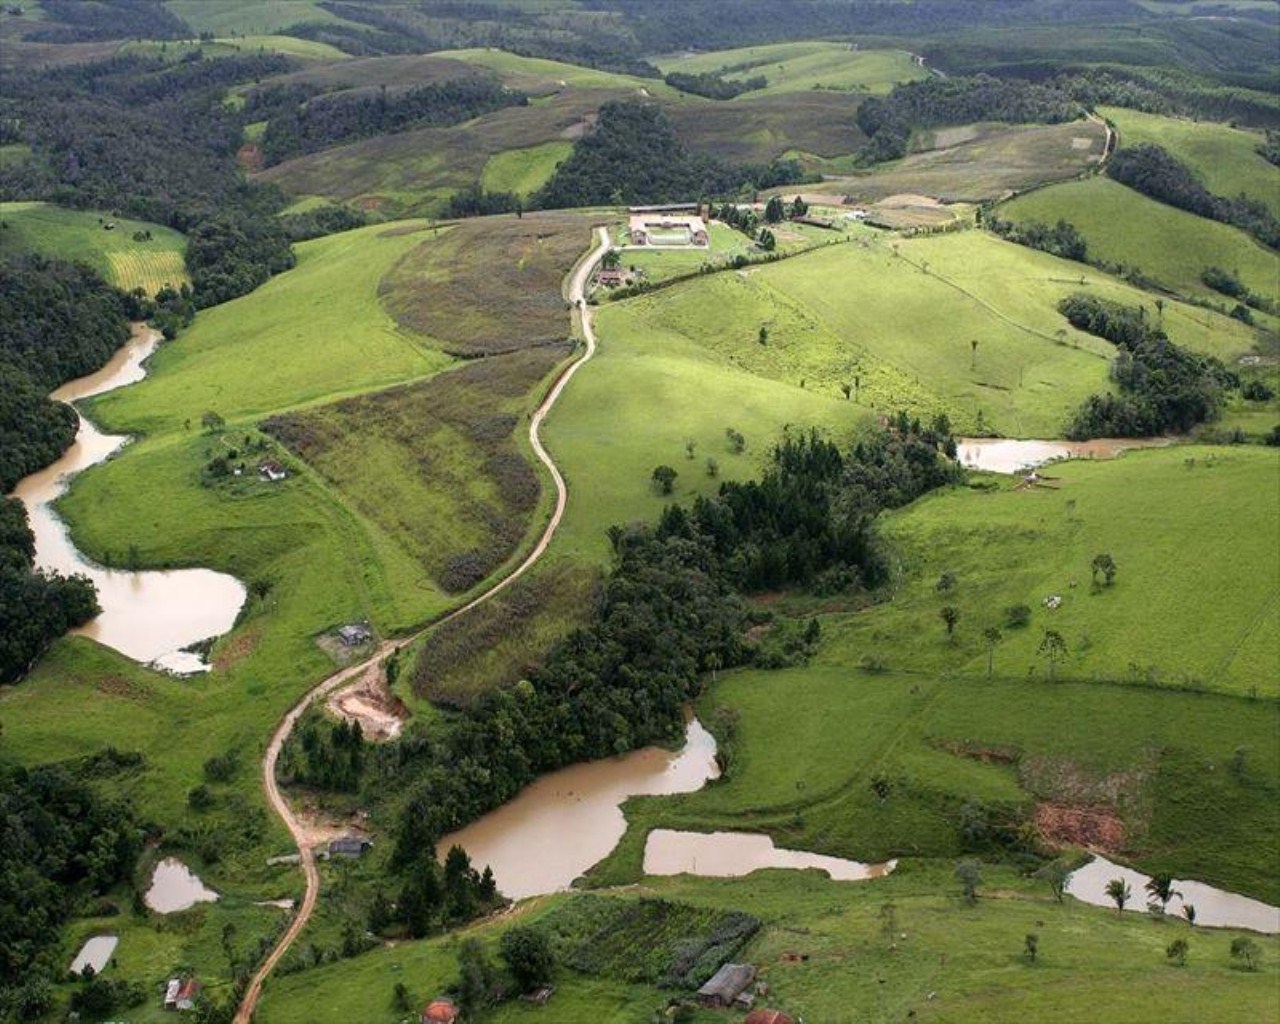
1002	455
148	616
567	821
1214	907
174	887
732	854
95	953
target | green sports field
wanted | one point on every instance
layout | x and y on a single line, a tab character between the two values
126	262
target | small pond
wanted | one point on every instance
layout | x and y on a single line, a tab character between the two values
1005	455
1215	908
95	953
174	887
732	854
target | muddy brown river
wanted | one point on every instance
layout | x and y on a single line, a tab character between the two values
148	616
733	854
567	821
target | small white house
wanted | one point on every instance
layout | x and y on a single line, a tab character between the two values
171	994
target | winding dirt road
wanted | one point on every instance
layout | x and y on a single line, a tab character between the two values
575	293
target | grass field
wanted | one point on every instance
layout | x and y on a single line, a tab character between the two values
1226	159
248	17
1168	245
79	235
947	962
537	75
523	171
804	67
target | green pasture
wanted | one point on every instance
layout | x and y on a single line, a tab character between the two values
539	75
316	332
804	66
290	46
80	235
1168	245
824	954
249	17
523	171
1226	159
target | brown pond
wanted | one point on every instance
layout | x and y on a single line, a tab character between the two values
567	821
732	854
148	616
1005	455
175	887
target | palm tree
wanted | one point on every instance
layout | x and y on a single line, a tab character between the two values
950	616
1160	889
992	636
1118	891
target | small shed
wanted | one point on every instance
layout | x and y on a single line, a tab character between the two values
188	994
768	1017
726	985
354	635
272	470
171	993
611	276
349	846
441	1011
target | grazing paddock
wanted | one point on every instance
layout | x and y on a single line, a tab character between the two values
1169	246
437	465
523	171
490	284
127	263
756	128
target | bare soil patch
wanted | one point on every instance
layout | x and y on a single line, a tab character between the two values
370	702
1095	828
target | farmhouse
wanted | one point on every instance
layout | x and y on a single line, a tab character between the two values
727	987
272	470
440	1011
187	995
354	635
667	229
611	277
171	994
348	846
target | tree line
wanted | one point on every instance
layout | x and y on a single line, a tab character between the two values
315	124
1155	172
1163	388
712	85
151	140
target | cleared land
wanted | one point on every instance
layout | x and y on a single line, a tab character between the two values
127	262
1226	158
804	67
976	163
1167	245
523	171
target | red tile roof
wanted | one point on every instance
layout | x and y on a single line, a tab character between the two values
441	1011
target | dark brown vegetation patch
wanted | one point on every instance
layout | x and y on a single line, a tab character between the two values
760	130
436	465
490	285
501	641
1096	828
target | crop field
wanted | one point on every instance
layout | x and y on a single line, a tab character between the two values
981	163
148	264
1226	159
523	171
804	67
1168	245
491	285
956	963
438	465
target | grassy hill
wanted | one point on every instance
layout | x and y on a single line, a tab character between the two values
1167	245
248	17
1226	158
802	67
122	259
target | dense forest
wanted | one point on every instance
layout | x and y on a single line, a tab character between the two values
1061	239
151	140
671	608
61	844
330	120
1163	388
712	86
1155	172
889	121
633	155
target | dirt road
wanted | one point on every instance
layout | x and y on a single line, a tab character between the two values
575	293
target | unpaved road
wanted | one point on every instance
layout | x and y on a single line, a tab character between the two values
575	293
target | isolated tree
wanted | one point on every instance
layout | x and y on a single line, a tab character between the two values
1177	952
762	335
1056	874
713	663
973	353
1053	648
1160	890
612	259
713	468
767	240
888	921
969	874
846	390
211	421
950	616
690	448
1119	891
1104	564
992	637
774	210
475	978
1031	947
527	953
946	583
737	441
1246	951
857	383
664	479
1189	912
799	207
